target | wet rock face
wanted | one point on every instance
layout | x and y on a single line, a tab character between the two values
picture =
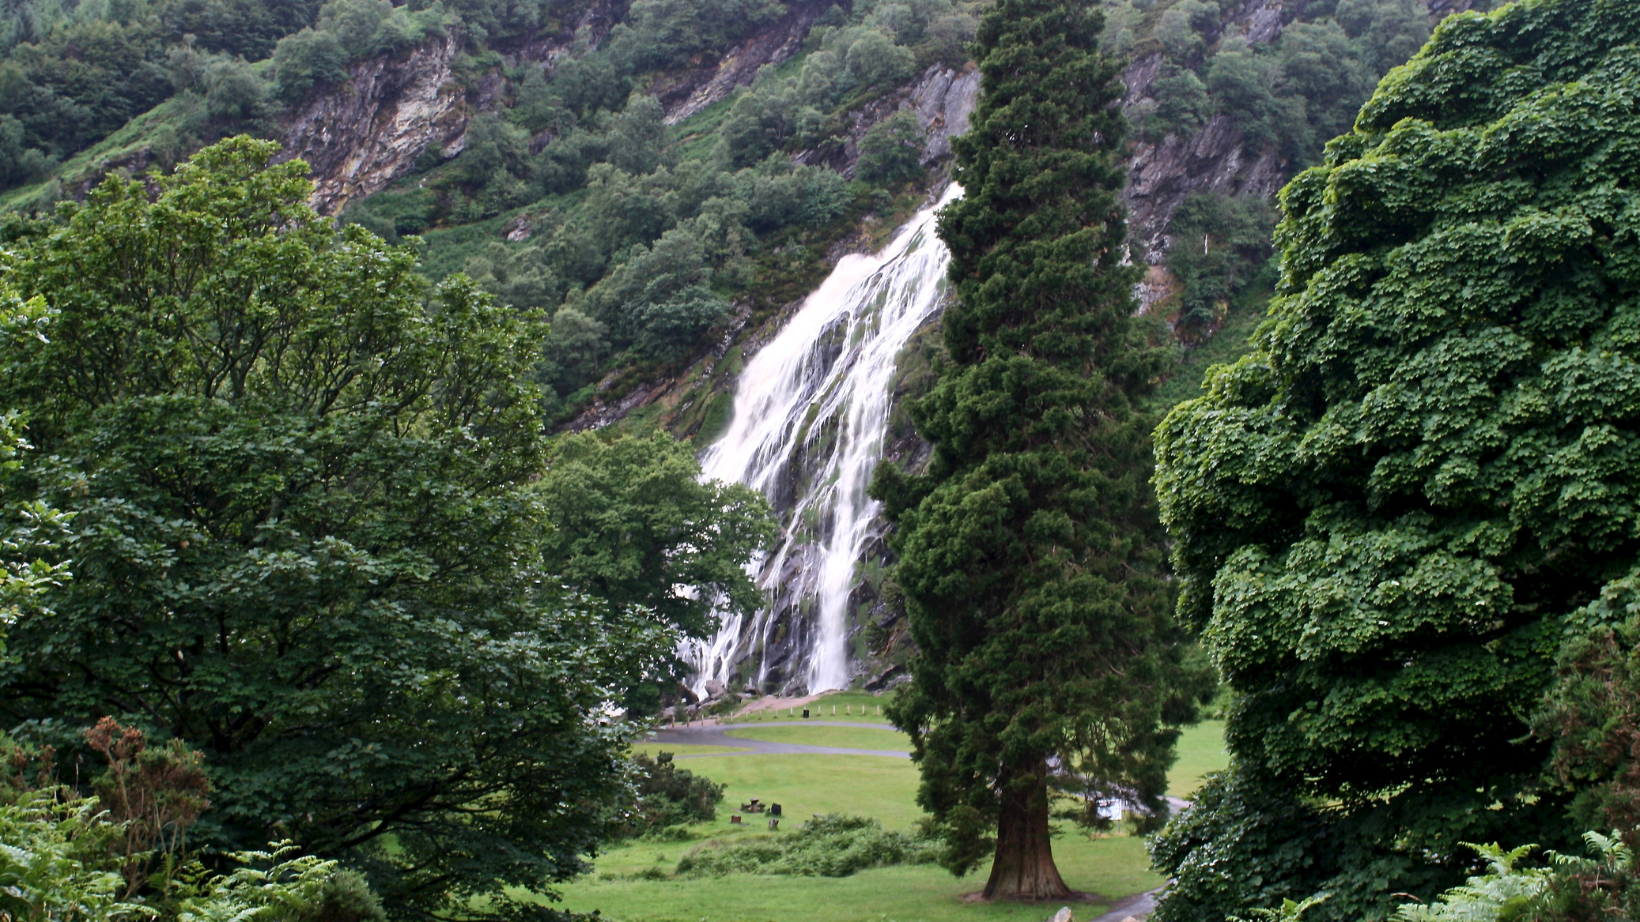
362	134
942	99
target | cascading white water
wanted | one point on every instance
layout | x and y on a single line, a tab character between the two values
811	411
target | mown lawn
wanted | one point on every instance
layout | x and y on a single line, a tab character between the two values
1112	867
631	881
1201	750
803	785
862	737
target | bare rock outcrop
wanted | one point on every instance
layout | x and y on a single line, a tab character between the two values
687	93
943	101
1216	159
363	133
1162	175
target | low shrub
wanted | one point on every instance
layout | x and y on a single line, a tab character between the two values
833	845
668	799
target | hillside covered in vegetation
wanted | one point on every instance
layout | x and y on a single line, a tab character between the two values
655	175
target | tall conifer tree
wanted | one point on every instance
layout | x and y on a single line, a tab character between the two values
1030	553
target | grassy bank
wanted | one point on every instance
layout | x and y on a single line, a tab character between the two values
862	737
632	882
1201	750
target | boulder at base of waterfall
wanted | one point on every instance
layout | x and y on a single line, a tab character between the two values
714	689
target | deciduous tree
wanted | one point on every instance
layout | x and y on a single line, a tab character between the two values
304	543
1384	517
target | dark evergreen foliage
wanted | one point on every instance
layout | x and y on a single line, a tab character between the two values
1031	556
666	796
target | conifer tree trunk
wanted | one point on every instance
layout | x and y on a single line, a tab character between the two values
1023	868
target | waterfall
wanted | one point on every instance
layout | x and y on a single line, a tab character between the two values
811	412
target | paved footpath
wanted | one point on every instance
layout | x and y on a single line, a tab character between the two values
1134	907
714	735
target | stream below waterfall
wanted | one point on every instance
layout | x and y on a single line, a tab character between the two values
811	415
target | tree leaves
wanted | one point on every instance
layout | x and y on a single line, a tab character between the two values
1384	515
304	540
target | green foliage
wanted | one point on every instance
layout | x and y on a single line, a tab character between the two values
59	855
891	151
1592	711
1289	910
347	30
1604	885
306	58
1219	244
1182	104
30	530
53	864
299	477
833	845
634	526
1289	95
850	64
1386	514
1570	888
281	886
73	85
1030	556
667	797
1503	893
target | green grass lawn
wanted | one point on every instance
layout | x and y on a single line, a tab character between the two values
807	784
862	737
1112	867
650	748
803	785
1201	750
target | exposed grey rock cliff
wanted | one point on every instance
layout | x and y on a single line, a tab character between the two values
364	132
689	92
1162	174
942	99
369	130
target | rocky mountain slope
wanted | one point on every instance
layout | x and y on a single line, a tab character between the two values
669	181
